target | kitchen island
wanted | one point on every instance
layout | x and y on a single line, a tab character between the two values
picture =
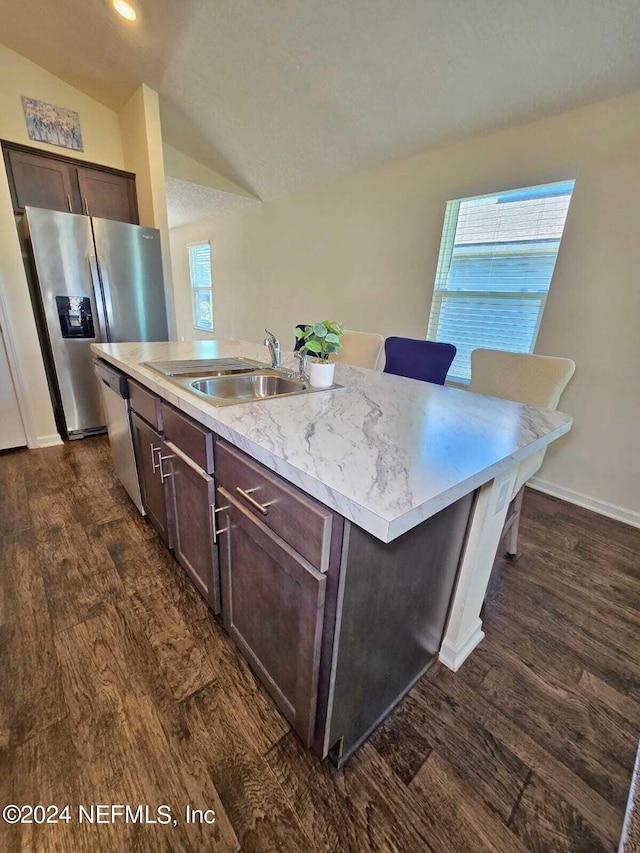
387	501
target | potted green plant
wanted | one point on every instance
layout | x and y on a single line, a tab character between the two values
320	341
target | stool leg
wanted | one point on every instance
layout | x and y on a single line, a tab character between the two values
512	533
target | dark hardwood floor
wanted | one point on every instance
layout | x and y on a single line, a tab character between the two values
117	686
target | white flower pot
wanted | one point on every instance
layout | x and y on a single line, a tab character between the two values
321	373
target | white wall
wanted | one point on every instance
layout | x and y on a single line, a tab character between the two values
102	144
364	250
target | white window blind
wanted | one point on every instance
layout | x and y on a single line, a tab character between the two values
496	261
201	292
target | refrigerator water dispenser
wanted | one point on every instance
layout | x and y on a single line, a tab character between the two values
74	314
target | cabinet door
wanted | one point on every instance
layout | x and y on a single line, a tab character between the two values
107	196
148	448
273	607
192	497
40	181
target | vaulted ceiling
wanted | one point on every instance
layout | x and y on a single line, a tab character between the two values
188	202
279	95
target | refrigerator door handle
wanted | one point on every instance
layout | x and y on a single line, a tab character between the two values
98	299
106	293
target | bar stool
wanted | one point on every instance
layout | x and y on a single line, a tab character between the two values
425	360
361	349
537	380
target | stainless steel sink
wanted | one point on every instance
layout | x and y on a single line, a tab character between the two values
248	386
260	384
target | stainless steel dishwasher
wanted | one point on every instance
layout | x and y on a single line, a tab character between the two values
115	400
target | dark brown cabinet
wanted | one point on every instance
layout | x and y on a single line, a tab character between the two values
192	495
55	182
279	554
273	607
300	520
193	439
187	466
40	182
149	449
177	493
335	623
146	404
107	195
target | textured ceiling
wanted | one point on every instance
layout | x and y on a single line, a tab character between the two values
187	202
278	95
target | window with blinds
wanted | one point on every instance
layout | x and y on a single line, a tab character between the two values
201	292
496	261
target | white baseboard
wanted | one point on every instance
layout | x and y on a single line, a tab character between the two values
619	513
48	440
454	656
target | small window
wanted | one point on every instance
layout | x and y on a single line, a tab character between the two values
496	261
200	277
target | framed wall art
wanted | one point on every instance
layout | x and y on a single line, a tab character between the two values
51	124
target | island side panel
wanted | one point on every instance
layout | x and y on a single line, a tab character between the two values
393	607
331	604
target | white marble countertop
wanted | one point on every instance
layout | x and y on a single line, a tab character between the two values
385	452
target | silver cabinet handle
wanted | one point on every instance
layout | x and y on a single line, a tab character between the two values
161	459
214	510
86	206
186	459
254	503
154	465
69	203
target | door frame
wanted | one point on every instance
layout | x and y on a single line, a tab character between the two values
24	406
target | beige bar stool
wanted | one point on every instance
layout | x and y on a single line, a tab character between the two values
360	348
537	380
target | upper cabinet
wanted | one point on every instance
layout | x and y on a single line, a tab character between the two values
55	182
107	195
39	181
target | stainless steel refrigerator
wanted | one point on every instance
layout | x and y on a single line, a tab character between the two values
91	280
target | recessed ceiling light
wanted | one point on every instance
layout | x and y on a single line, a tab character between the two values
125	9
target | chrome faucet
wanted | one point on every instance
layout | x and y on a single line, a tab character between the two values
303	375
273	345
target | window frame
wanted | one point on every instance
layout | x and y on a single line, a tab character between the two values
445	258
196	289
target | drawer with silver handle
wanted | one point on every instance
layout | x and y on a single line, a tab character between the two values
146	404
298	519
193	439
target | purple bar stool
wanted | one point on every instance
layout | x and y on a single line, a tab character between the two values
416	359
